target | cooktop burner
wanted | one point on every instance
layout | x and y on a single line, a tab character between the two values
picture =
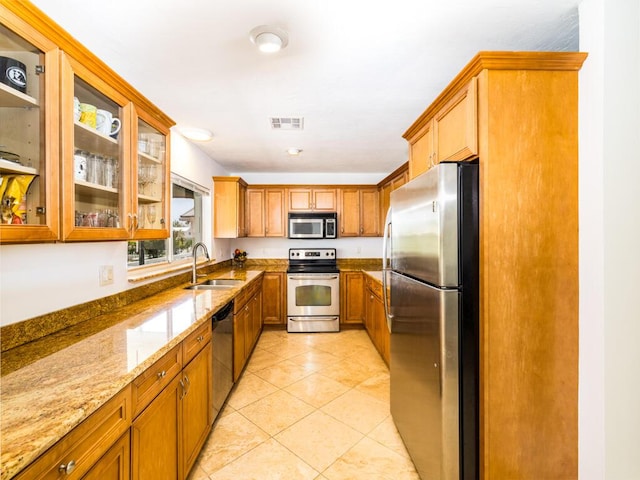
312	260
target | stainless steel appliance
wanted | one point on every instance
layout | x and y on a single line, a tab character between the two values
431	299
313	290
222	345
312	224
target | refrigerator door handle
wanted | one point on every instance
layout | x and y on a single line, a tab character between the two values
386	262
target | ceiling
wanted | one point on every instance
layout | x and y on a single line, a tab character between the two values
358	72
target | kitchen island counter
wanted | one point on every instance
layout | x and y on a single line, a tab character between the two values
44	399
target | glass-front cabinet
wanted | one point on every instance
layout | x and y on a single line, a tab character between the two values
150	184
29	133
95	161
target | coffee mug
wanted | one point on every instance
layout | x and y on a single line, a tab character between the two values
88	114
106	123
13	73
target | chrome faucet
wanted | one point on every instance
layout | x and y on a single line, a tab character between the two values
195	256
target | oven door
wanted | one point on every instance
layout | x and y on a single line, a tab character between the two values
313	294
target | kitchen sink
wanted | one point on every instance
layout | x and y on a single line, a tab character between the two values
216	284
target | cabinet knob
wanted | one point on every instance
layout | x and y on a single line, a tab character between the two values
162	374
68	468
200	338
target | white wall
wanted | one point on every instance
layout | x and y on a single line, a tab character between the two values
609	418
42	278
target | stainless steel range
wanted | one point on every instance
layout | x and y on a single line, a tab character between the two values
313	290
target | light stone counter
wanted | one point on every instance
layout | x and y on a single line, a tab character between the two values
46	399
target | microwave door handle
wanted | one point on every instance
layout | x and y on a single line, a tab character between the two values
386	262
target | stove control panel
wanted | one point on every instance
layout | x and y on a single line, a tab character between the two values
312	254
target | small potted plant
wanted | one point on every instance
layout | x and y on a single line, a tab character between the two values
239	257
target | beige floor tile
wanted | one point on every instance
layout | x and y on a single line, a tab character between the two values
370	460
315	359
231	438
261	359
319	439
377	386
358	410
284	373
351	373
289	349
317	390
226	410
197	473
387	435
276	412
268	461
249	389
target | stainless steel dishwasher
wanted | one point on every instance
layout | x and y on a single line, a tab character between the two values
222	345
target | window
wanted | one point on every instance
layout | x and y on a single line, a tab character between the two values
186	228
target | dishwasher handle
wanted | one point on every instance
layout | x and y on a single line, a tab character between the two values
223	313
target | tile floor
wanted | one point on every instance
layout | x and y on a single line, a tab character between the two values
308	406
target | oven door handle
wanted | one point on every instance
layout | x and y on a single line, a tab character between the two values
315	319
313	277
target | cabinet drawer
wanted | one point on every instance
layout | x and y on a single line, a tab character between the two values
375	287
151	382
195	341
81	448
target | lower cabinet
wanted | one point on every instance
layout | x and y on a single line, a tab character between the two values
274	298
114	465
247	325
352	297
376	321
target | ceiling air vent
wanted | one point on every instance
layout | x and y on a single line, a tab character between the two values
287	123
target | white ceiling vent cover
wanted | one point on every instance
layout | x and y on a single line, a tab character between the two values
287	123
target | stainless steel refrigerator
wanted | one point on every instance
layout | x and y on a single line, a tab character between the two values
431	299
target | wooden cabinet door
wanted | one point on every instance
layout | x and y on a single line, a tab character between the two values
370	212
273	298
349	217
382	336
156	443
299	199
239	326
197	405
325	199
256	317
229	207
352	290
421	151
115	464
456	126
312	199
255	217
274	213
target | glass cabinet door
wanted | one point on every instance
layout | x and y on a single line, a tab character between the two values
95	133
152	183
28	133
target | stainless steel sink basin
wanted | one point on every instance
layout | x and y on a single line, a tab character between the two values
216	284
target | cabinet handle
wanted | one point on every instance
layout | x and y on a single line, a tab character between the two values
162	374
68	468
200	338
184	390
188	382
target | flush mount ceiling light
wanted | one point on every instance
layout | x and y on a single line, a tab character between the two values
269	39
294	151
196	134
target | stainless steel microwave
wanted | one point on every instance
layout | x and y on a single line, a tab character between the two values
313	225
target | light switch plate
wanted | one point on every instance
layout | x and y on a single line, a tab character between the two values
106	275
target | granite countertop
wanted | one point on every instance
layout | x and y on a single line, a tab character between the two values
45	399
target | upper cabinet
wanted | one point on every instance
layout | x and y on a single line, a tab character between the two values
229	199
359	213
29	136
448	134
76	124
306	199
265	212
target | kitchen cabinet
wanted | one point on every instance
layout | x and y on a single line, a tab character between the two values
451	134
265	212
173	410
73	130
352	297
29	135
229	198
88	445
115	464
274	297
527	128
315	199
359	213
375	319
392	181
247	324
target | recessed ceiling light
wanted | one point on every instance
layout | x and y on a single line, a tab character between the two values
196	134
294	151
269	39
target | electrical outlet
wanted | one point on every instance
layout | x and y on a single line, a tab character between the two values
106	275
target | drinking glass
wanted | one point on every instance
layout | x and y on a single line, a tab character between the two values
151	214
